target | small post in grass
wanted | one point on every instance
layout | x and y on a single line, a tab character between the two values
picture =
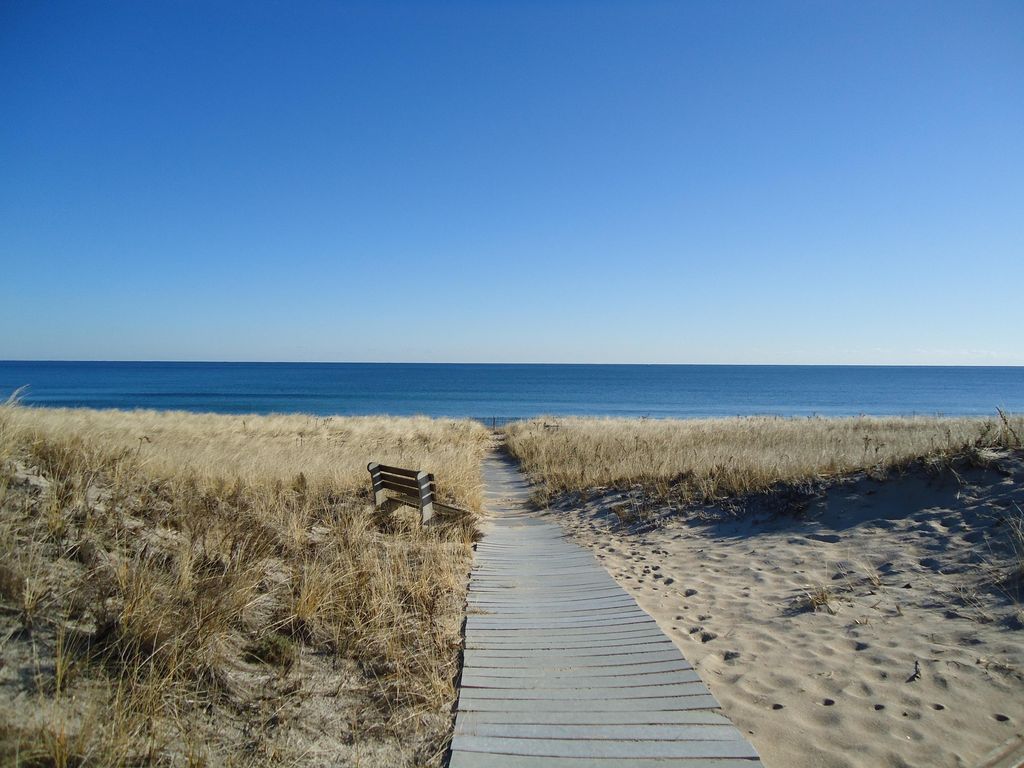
426	484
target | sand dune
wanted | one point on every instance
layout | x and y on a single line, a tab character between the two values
914	653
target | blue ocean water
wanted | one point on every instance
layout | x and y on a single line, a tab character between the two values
512	390
517	390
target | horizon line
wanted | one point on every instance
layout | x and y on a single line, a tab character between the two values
421	362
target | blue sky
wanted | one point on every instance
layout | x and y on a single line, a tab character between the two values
734	182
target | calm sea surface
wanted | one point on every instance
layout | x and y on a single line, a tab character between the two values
504	391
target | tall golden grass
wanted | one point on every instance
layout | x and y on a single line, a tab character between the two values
706	459
331	453
183	589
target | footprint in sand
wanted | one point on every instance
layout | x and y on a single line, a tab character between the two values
879	707
707	636
690	593
1001	717
778	706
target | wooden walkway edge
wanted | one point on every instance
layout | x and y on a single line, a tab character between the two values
562	668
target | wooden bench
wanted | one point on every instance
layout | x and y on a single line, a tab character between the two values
413	488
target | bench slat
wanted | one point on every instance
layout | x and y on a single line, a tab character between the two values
405	482
398	485
412	473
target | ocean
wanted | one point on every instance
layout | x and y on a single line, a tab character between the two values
507	391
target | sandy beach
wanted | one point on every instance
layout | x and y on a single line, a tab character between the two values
879	626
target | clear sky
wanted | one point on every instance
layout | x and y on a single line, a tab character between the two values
736	182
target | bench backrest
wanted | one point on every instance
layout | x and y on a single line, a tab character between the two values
413	487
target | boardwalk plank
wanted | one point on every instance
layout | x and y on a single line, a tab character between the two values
478	659
604	748
510	622
565	643
581	693
573	717
585	600
485	760
580	681
612	634
720	732
521	614
605	705
585	655
613	670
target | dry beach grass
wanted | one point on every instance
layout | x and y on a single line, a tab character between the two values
706	459
182	589
330	452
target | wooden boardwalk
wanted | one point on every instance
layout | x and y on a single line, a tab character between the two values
562	667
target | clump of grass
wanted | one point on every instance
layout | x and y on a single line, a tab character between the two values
274	649
709	459
176	601
1016	526
1012	579
816	597
1010	430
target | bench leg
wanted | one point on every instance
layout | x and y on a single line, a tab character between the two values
377	485
426	513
